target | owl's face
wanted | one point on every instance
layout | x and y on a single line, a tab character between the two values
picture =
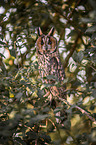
46	44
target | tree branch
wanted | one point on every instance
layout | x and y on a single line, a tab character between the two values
72	50
79	108
71	13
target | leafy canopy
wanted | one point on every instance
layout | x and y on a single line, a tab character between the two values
26	116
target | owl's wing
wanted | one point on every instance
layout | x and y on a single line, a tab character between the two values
56	69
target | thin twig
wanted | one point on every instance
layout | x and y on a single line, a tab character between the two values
28	127
71	13
93	68
56	127
52	123
79	108
87	114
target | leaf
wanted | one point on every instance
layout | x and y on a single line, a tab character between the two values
12	52
11	95
1	36
92	29
32	135
19	140
37	118
93	39
87	20
19	95
2	55
3	43
94	93
76	83
23	82
40	117
45	137
56	110
78	56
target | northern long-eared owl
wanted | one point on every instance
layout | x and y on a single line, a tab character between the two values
50	68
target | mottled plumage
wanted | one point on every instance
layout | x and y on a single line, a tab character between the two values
49	63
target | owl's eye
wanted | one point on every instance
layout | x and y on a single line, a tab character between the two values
42	42
49	42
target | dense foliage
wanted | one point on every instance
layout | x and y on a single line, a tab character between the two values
26	117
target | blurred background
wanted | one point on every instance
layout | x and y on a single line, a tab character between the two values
25	117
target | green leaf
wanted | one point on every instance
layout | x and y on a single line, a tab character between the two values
92	29
37	118
78	57
2	55
18	95
46	137
12	52
40	117
19	140
93	39
32	135
3	43
94	93
87	20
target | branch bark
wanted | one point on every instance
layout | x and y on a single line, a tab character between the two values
79	108
72	50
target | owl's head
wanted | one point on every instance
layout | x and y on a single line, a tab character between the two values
46	44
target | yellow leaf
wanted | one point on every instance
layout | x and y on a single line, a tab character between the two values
11	95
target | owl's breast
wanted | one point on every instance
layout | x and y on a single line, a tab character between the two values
44	62
51	65
44	66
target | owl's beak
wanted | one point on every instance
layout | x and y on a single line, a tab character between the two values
46	50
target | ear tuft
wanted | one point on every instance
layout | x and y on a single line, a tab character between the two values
39	31
51	32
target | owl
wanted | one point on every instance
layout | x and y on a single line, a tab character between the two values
50	68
